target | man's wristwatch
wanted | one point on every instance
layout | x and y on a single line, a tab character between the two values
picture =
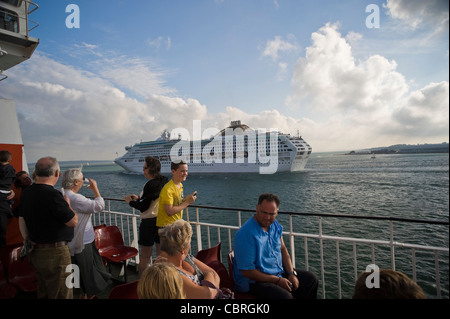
292	273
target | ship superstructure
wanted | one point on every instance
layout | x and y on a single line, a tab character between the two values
16	44
235	149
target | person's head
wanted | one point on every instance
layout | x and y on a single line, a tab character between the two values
22	180
161	280
176	237
179	171
46	167
267	209
152	167
5	157
393	285
72	179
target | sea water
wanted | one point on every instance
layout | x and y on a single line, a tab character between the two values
396	185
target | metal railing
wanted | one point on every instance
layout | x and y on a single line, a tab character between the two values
338	270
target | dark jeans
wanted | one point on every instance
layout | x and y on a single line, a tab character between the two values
307	288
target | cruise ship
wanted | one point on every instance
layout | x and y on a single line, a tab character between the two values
235	149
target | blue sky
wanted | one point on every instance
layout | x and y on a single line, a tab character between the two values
134	68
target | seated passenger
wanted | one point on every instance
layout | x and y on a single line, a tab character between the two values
261	264
160	281
175	245
392	285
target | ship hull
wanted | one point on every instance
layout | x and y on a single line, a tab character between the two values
217	168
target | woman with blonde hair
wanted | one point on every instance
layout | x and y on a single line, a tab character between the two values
160	281
175	246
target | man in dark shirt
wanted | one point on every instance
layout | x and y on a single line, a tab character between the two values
47	220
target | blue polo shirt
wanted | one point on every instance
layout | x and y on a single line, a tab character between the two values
254	248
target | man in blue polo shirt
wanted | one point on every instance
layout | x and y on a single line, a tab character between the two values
262	265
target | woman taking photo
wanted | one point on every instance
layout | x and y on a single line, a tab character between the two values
94	277
147	204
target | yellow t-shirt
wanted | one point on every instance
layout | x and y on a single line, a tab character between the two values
170	195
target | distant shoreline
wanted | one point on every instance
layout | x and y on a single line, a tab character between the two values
404	149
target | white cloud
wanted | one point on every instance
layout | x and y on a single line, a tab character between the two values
136	75
160	41
275	47
363	103
416	13
424	112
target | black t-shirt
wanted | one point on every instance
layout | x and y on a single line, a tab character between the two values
151	192
7	177
45	212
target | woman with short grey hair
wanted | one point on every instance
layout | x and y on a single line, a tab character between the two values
94	277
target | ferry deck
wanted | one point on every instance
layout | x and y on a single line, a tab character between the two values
336	260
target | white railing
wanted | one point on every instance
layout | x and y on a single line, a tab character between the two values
336	271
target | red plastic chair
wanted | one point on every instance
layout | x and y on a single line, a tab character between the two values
20	272
225	280
211	257
209	254
110	245
99	226
96	228
237	294
7	290
125	291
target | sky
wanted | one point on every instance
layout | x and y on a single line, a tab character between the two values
345	75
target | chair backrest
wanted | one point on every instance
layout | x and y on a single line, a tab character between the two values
108	236
124	291
99	226
209	254
5	252
20	271
225	280
237	294
19	267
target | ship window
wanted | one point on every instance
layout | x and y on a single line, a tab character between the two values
9	20
15	3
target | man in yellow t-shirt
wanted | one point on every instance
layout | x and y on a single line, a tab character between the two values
171	203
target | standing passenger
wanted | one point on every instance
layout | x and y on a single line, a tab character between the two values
7	177
93	275
148	203
171	203
47	220
13	235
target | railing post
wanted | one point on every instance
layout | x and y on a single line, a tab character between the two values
134	243
291	240
322	267
198	231
391	231
338	261
438	277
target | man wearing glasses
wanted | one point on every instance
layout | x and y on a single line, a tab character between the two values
261	264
